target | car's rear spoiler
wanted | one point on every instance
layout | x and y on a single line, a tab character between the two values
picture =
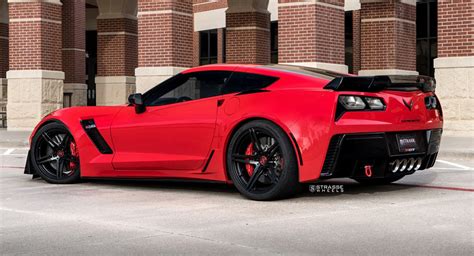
379	83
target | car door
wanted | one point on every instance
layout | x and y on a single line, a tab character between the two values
176	129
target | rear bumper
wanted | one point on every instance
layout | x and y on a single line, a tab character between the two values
349	155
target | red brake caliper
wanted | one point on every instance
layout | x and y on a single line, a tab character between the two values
249	151
74	153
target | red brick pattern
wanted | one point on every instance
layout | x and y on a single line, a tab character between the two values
220	45
311	33
3	50
388	44
164	38
74	22
116	52
208	5
455	28
356	41
252	44
35	44
196	47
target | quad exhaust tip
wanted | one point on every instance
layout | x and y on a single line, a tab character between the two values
406	164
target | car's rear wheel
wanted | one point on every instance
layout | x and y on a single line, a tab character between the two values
380	181
261	161
54	155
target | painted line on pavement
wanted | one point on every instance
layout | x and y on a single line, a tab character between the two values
8	152
454	164
435	187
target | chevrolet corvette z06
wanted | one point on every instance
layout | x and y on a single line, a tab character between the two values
264	129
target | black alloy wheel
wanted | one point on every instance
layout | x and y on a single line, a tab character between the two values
54	154
261	161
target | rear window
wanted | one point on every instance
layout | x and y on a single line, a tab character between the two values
314	72
241	82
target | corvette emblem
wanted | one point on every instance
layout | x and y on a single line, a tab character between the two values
409	104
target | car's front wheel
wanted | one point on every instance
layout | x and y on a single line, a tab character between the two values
54	155
261	161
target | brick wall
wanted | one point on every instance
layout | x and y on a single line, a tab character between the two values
35	44
74	41
248	38
3	50
116	47
455	28
311	32
207	5
164	38
356	41
388	36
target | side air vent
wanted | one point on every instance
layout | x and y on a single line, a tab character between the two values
94	134
331	156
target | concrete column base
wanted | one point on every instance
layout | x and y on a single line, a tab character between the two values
386	72
455	89
3	89
113	90
149	77
321	65
79	93
32	94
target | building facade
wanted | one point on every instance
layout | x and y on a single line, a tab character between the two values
60	53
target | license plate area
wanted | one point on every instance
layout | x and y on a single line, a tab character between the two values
408	143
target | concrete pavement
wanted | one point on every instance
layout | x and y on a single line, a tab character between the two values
428	213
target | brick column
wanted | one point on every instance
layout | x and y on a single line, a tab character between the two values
388	37
311	33
248	32
3	48
74	45
116	51
356	41
454	67
35	79
165	42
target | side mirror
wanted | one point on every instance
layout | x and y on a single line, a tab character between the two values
136	100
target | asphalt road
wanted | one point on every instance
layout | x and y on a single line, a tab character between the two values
430	212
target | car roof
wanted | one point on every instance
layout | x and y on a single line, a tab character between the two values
272	69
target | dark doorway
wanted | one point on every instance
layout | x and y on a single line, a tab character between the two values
91	66
426	36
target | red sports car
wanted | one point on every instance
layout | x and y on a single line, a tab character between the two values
266	129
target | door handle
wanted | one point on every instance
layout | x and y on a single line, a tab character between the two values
220	102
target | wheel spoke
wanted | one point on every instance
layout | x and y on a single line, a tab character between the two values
272	150
49	140
60	167
45	159
255	140
253	179
272	175
65	142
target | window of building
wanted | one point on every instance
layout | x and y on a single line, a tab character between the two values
426	36
187	87
274	41
208	47
348	41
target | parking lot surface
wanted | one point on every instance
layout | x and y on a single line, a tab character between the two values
430	212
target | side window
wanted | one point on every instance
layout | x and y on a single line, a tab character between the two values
187	87
240	82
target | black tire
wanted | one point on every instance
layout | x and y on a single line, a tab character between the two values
380	181
275	174
52	155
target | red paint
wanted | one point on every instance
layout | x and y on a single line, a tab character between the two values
174	141
368	170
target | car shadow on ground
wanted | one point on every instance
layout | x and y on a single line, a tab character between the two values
349	187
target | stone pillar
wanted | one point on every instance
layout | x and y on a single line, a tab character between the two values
74	45
165	42
248	32
356	41
116	51
3	49
454	67
388	37
311	33
35	79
